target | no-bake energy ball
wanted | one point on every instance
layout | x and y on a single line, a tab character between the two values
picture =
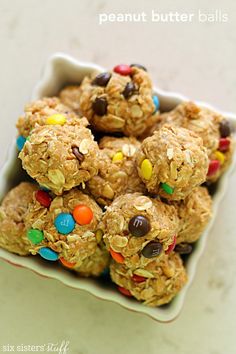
156	284
12	215
119	101
94	266
172	162
194	213
60	157
117	170
40	112
212	127
70	96
64	227
138	229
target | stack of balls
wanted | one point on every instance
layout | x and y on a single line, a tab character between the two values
116	184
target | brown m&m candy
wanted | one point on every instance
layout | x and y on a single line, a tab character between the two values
152	249
139	66
77	153
102	79
129	89
139	226
183	248
100	106
225	129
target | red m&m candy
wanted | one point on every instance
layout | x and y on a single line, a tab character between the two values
224	144
123	69
214	166
138	278
124	291
171	247
43	198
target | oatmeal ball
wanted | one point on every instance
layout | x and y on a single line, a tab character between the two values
94	265
194	213
156	284
117	170
119	101
12	214
138	229
61	157
38	112
63	227
70	96
172	162
214	130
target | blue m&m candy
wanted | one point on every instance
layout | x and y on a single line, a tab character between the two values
64	223
48	254
156	102
20	142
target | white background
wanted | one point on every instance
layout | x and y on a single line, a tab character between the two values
195	59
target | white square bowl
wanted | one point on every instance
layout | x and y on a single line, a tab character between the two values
60	70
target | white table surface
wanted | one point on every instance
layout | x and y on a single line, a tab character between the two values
195	59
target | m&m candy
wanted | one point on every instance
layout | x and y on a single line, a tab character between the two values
138	278
48	254
146	169
56	119
118	157
139	226
220	157
20	142
35	236
117	256
225	128
82	214
123	69
224	144
43	198
124	291
214	166
156	102
172	246
152	249
64	223
66	263
166	188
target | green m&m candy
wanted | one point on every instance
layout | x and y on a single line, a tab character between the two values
35	236
166	188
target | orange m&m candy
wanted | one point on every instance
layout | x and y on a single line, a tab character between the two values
82	214
117	256
66	263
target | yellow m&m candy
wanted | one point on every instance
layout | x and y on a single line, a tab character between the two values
56	119
146	169
220	157
118	157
